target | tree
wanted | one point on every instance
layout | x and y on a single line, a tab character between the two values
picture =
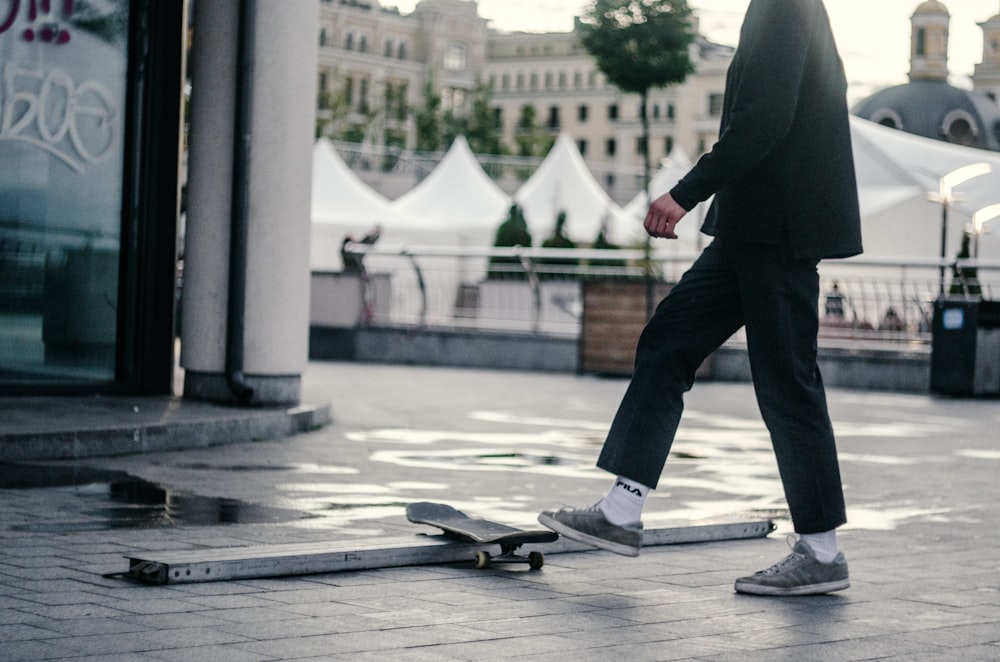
531	139
512	232
639	45
482	128
428	121
564	267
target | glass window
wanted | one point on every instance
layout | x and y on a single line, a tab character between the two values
62	131
715	104
454	57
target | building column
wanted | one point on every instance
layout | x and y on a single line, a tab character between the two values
282	97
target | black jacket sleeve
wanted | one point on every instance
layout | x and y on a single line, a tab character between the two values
762	91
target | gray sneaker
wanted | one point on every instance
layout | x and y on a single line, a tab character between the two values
589	525
799	573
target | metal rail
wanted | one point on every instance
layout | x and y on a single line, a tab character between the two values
539	290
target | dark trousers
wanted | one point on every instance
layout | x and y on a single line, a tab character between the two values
776	298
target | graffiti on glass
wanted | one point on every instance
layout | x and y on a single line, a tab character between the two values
74	122
43	17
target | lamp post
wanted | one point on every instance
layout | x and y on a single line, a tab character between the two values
946	196
979	220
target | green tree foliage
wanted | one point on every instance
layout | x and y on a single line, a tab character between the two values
428	120
512	232
559	267
531	139
639	45
482	129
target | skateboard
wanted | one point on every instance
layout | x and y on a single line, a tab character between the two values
456	523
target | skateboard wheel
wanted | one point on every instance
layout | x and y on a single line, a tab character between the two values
536	560
482	560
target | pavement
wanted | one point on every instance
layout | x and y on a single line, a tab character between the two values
920	475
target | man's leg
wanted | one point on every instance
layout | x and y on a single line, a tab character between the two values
781	298
782	321
698	315
701	312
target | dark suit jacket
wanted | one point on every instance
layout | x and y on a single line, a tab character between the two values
782	169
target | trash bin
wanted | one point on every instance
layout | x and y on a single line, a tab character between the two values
965	348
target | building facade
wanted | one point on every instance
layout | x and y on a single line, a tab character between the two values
928	105
377	64
986	78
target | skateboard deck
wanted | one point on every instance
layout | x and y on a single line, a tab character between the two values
456	523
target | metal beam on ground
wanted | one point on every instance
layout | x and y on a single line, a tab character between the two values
252	562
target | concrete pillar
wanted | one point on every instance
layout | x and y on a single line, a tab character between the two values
276	314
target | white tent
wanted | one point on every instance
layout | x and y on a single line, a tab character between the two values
564	183
456	204
897	171
342	205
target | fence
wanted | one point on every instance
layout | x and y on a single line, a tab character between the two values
540	290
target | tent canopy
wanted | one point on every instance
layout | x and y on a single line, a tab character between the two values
456	196
564	183
897	171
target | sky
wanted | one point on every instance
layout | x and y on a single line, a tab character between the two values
873	35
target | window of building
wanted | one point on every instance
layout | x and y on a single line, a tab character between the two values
592	79
402	51
609	180
455	57
581	145
581	113
715	104
959	127
562	80
553	122
613	112
498	117
349	90
520	81
656	111
533	81
921	45
349	41
577	79
505	82
389	48
322	36
640	145
363	95
670	111
323	101
548	80
668	145
887	117
363	44
610	147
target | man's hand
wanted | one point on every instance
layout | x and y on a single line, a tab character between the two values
663	215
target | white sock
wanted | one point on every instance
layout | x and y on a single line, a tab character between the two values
823	545
624	502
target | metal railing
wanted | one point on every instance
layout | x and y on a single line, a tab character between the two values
539	290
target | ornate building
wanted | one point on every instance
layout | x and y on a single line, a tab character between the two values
378	63
986	78
929	105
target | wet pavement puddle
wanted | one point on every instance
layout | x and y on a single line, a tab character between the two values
100	500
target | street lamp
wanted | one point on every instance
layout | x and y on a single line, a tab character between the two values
980	219
946	196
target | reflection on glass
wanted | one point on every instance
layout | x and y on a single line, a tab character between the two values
62	98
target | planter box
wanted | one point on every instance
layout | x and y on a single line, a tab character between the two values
614	313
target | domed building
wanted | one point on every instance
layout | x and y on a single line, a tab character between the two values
929	105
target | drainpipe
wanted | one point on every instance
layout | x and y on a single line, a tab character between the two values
239	214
